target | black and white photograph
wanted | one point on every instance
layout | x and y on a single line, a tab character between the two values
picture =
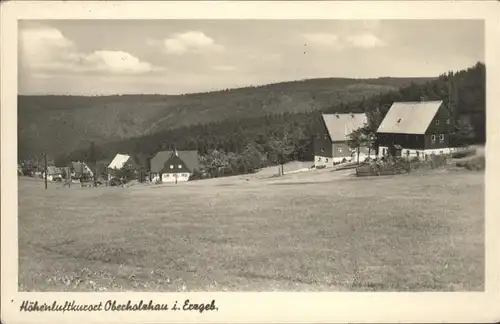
250	155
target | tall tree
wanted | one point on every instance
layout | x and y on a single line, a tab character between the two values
355	140
281	147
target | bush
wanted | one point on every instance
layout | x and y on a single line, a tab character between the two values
115	182
438	161
477	163
196	175
415	160
463	153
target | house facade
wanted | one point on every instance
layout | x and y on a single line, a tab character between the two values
53	173
179	166
331	139
79	170
415	129
158	163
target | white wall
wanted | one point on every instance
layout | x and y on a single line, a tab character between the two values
51	177
422	153
328	161
322	160
171	177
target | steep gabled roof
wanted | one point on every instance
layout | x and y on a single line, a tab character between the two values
339	126
190	158
409	117
119	161
158	161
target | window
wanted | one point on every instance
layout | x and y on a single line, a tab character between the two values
447	121
441	138
340	149
179	166
326	136
433	138
171	167
437	121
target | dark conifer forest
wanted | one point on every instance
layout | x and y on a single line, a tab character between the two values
246	142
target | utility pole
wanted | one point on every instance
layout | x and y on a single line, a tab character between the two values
175	152
93	158
45	168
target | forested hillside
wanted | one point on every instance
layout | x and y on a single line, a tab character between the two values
249	143
61	124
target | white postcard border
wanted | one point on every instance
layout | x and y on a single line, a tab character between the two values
253	307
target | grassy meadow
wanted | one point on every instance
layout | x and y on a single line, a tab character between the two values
308	231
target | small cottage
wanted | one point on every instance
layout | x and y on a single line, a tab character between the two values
174	166
53	173
120	162
80	170
180	166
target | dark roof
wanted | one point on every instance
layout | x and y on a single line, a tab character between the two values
141	161
190	158
78	166
158	161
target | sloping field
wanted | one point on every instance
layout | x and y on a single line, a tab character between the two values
310	231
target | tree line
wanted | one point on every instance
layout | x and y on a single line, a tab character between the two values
240	146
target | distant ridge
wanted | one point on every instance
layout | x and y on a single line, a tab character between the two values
58	124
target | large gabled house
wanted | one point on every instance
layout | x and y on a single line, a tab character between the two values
331	139
417	128
174	166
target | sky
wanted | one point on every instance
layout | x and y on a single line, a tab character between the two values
102	57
